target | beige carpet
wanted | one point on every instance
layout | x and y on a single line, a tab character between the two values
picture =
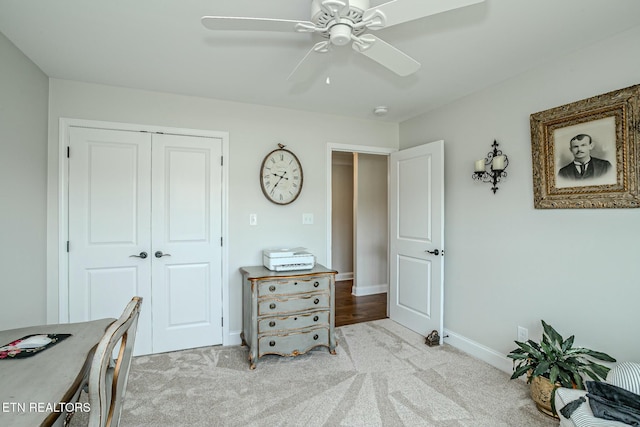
382	375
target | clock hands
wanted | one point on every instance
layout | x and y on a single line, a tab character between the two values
280	179
280	176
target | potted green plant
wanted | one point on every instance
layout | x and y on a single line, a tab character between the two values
555	362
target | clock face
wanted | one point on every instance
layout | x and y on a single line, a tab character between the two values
281	176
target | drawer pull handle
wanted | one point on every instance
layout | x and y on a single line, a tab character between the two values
272	288
272	305
316	301
315	337
272	343
316	284
295	283
272	323
315	318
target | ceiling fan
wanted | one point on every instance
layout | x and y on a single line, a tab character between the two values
344	21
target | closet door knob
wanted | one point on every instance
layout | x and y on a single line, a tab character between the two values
159	254
142	255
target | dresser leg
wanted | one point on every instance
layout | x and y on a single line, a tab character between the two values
243	343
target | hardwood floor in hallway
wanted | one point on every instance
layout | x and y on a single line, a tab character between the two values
351	309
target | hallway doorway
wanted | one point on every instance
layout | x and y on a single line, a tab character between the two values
358	231
351	309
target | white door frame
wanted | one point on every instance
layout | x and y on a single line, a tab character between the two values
361	149
62	284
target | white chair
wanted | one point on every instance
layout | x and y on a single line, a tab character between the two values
108	376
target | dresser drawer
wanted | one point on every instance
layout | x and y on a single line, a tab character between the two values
295	303
293	286
294	343
271	324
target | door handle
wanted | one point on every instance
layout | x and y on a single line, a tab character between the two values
434	252
142	255
159	254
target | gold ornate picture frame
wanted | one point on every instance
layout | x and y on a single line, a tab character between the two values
604	128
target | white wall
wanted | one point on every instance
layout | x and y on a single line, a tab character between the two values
508	264
23	183
371	237
254	131
342	214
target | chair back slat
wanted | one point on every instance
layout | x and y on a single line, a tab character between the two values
108	377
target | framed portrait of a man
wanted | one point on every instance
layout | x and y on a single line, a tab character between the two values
587	154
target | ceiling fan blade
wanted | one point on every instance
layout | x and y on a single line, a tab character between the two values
253	24
310	63
386	55
399	11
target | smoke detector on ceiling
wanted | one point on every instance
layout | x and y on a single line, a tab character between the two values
381	111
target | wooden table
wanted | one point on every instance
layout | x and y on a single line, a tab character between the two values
33	390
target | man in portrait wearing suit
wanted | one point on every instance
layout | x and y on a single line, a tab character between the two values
583	166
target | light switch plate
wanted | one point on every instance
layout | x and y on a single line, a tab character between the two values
307	218
253	219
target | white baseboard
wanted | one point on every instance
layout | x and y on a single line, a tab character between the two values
369	290
233	338
479	351
344	276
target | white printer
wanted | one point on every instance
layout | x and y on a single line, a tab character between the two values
287	259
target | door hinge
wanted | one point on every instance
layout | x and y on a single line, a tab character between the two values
68	151
221	161
67	246
221	241
222	321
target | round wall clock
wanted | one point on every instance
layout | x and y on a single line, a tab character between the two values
281	176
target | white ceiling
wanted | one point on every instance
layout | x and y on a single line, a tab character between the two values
160	45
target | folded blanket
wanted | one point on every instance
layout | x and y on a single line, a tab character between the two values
608	402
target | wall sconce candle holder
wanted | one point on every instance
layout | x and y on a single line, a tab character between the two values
497	163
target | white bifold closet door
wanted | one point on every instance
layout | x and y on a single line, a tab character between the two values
145	219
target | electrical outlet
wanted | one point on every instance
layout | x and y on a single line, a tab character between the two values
307	218
523	334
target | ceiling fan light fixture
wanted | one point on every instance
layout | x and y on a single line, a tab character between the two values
340	34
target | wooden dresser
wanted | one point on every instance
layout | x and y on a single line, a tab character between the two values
287	313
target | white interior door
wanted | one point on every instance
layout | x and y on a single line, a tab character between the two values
186	233
416	243
110	226
115	231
